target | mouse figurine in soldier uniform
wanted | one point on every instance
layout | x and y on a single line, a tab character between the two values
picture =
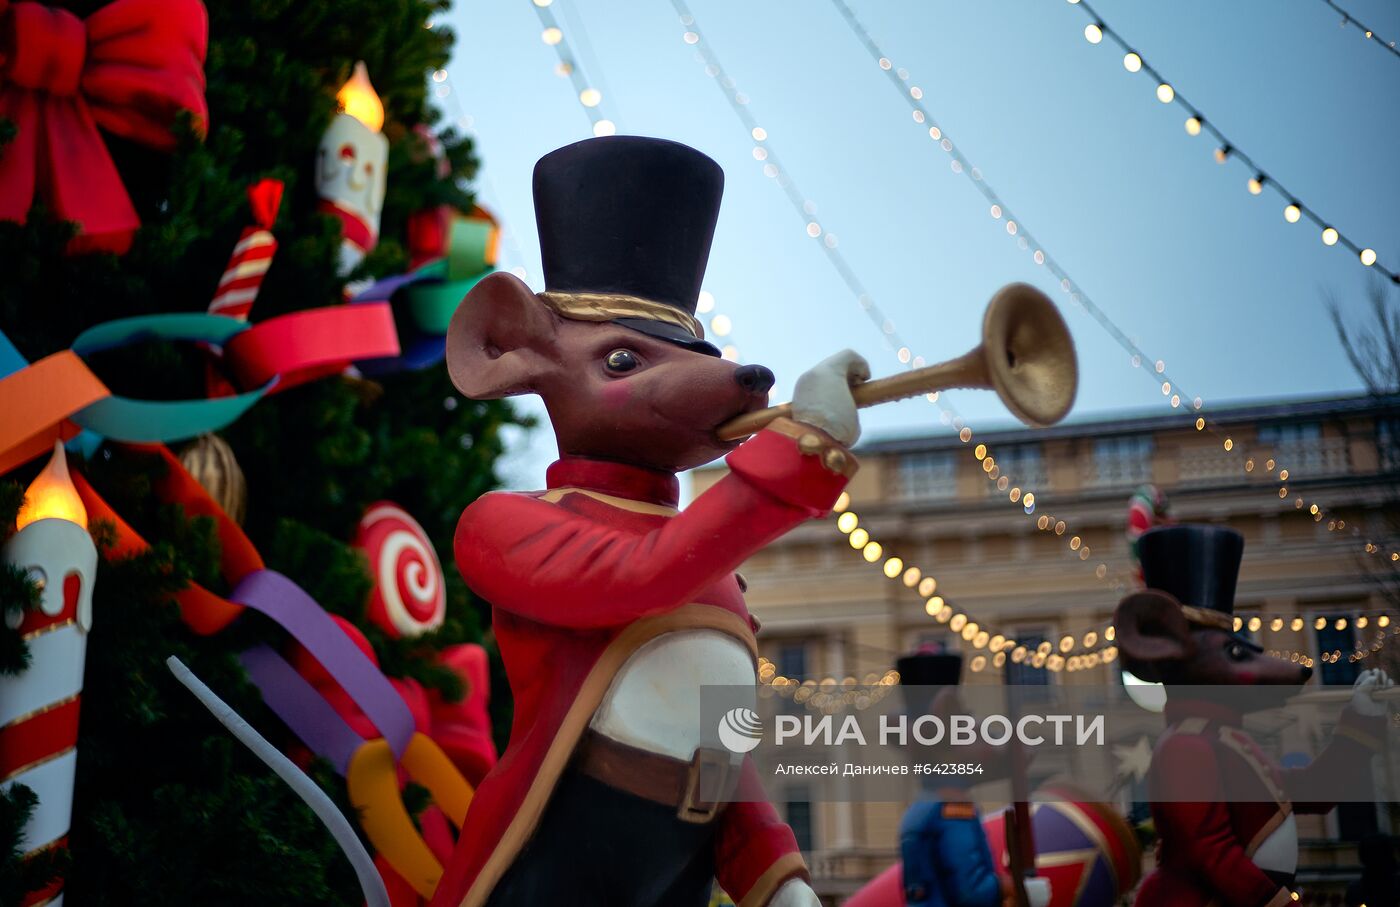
1223	809
610	606
943	846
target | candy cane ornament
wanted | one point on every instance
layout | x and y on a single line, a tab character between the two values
252	255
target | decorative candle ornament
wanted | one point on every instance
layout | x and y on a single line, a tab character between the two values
409	597
352	166
39	708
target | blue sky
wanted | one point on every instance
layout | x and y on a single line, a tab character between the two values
1202	274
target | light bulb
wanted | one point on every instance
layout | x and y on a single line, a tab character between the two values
1093	33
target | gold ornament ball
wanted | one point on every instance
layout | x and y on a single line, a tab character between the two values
211	461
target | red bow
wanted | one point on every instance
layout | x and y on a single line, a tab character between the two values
129	68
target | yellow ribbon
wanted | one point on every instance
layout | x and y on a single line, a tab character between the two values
373	784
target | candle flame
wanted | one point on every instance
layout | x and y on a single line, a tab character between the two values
358	98
52	495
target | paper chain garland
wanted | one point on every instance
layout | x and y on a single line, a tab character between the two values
369	766
59	396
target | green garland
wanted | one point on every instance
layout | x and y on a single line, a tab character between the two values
168	808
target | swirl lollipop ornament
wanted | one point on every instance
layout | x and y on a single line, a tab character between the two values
409	597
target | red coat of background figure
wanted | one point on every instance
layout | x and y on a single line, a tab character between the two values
1224	809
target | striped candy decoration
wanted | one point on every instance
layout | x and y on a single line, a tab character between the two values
252	256
1146	508
39	708
409	597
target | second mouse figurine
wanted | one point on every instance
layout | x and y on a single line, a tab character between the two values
1223	808
610	606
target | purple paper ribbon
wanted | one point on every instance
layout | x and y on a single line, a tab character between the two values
301	707
271	593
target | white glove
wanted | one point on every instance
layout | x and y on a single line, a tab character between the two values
1363	698
795	893
1038	891
822	398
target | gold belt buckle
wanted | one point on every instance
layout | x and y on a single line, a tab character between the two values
708	771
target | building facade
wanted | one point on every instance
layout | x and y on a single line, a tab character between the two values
1022	533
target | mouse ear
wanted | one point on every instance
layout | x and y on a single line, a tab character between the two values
1152	633
501	340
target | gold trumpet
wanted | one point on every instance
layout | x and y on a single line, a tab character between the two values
1026	356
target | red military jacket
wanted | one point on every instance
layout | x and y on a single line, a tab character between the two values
579	577
1206	845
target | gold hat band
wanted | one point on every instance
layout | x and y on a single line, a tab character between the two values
611	306
1217	619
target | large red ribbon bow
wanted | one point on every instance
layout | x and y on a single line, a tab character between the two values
129	68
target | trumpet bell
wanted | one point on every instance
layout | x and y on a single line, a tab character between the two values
1029	355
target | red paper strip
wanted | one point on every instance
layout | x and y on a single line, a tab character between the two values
202	611
302	346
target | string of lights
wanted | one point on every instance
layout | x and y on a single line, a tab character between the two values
872	550
1349	20
720	324
1197	123
1000	211
589	96
978	635
765	154
572	14
1074	646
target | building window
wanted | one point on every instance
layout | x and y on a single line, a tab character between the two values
928	476
1123	461
1330	639
1025	674
1388	443
1300	448
792	660
1022	465
798	808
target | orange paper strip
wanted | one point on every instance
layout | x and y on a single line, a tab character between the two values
36	402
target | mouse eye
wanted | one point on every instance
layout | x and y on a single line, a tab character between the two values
1236	652
620	361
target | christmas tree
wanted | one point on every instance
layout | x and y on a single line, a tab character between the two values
168	807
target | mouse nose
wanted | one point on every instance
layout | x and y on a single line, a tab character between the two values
755	379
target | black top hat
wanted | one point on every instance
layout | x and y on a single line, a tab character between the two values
927	669
922	670
625	225
1198	566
